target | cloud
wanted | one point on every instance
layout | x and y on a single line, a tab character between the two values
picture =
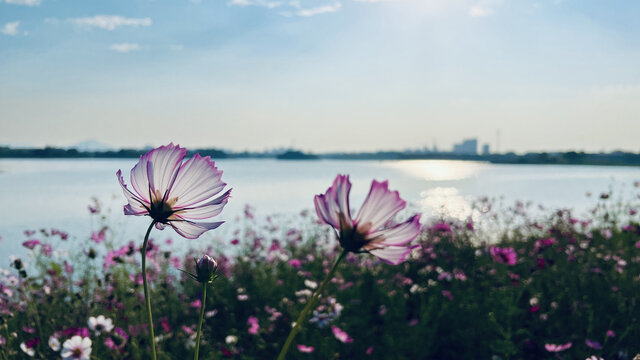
319	10
10	28
484	8
24	2
262	3
124	47
176	47
110	22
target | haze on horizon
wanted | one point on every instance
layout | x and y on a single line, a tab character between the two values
337	75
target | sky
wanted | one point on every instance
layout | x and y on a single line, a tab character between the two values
322	75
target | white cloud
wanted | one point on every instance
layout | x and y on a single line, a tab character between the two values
319	10
176	47
24	2
124	47
10	28
484	8
262	3
110	22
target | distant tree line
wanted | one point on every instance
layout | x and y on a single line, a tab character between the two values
560	158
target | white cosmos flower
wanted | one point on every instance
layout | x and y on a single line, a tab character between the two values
54	343
100	324
76	348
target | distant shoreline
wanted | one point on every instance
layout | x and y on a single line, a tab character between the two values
556	158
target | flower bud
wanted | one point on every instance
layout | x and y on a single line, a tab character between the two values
206	268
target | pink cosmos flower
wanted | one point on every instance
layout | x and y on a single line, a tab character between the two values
341	335
504	255
31	244
367	232
175	193
557	348
305	348
253	325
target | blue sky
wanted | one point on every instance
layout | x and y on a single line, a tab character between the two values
321	75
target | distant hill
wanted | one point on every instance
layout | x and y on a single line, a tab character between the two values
91	146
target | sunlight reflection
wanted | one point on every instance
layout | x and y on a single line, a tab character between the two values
445	201
438	170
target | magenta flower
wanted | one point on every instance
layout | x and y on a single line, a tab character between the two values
341	335
31	244
253	325
175	193
504	255
367	232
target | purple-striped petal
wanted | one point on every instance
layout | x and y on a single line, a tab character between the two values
380	205
334	204
192	230
206	210
136	204
398	235
393	255
198	180
164	164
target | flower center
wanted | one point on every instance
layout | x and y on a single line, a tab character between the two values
76	353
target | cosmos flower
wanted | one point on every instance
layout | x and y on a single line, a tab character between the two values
176	193
76	348
305	348
100	324
557	348
367	231
341	335
504	255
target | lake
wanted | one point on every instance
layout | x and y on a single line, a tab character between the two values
45	193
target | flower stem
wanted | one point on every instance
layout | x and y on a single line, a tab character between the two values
305	312
143	250
204	301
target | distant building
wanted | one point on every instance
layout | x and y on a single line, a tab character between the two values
485	149
466	147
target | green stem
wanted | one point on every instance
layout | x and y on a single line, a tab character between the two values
305	312
204	301
143	250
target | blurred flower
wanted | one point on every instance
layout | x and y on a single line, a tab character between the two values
369	350
611	334
175	193
27	350
295	263
231	339
503	255
100	324
366	232
305	348
310	284
593	357
253	325
54	343
557	348
76	348
593	344
31	244
341	335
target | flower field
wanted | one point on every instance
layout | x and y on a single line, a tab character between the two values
548	286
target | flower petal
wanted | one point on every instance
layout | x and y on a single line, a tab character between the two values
156	170
198	180
192	230
206	210
398	235
136	204
393	255
380	206
334	202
